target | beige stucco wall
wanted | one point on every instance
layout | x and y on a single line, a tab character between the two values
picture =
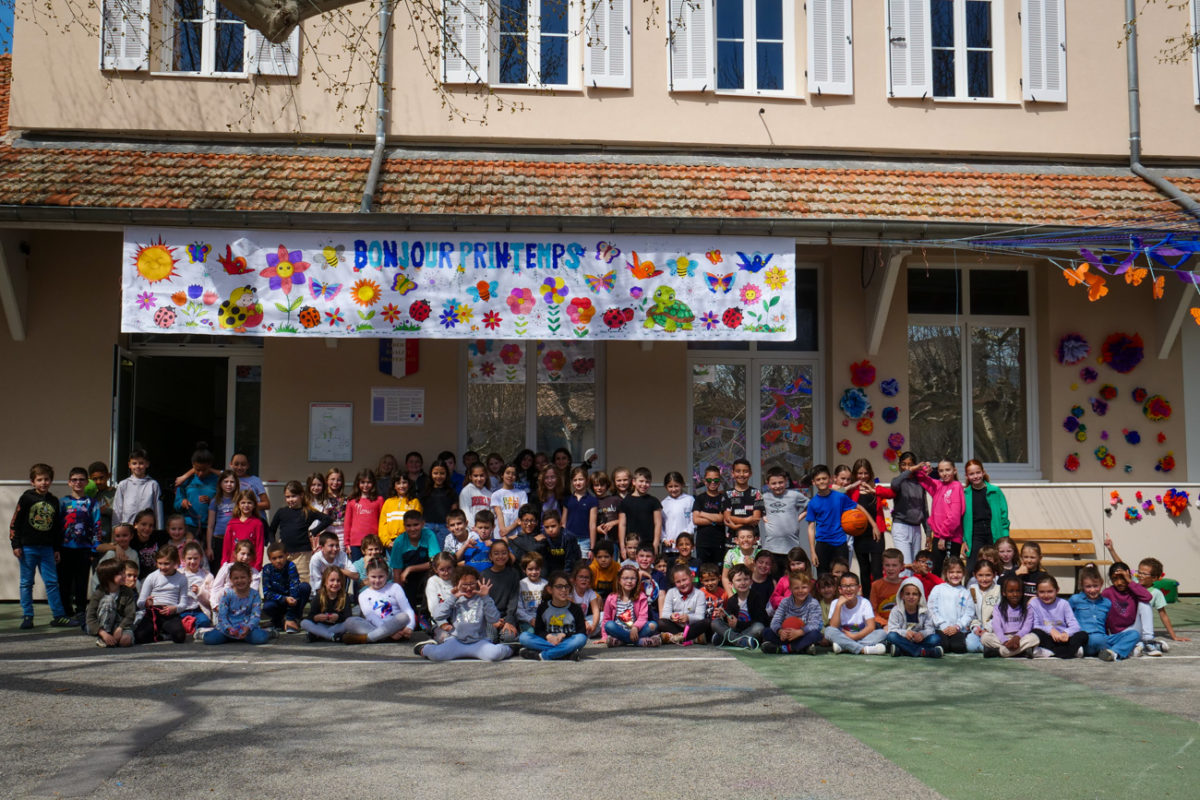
62	63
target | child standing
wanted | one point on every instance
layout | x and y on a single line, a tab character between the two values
873	498
1054	623
946	504
468	617
985	512
81	537
796	624
950	607
247	527
552	489
708	517
531	589
284	594
163	592
221	510
333	504
36	535
742	619
640	513
826	537
196	492
99	489
111	608
138	492
744	506
296	526
385	608
362	513
579	514
608	519
908	511
558	624
783	511
475	496
676	513
238	611
507	502
439	498
852	621
626	618
910	630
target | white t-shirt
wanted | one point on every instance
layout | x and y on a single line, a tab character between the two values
451	545
676	519
316	567
472	500
509	501
854	619
380	604
585	602
530	597
437	591
781	521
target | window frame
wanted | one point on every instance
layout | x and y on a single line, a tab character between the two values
966	321
531	384
749	44
208	42
533	40
960	49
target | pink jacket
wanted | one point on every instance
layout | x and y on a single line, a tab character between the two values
947	503
362	519
641	613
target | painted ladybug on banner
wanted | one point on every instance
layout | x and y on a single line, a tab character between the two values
309	317
241	311
164	317
617	318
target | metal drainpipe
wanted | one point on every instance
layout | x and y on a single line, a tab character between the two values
381	107
1169	189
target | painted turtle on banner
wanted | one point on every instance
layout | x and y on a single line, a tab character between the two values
668	312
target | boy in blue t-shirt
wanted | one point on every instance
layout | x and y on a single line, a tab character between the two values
826	537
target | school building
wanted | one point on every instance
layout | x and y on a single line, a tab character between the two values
869	220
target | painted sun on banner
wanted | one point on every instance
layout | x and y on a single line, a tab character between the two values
288	283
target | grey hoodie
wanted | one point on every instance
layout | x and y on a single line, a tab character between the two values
472	618
898	619
134	495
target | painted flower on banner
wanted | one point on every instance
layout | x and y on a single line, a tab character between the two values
491	320
521	301
145	301
554	291
464	313
487	369
636	292
390	312
285	268
334	317
510	354
581	310
583	366
448	319
554	360
420	310
365	292
751	294
776	278
709	320
210	297
195	291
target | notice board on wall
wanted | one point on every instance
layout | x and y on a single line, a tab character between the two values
330	431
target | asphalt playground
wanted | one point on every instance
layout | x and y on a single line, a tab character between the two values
298	720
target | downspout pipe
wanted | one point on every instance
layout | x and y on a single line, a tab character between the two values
1170	190
381	105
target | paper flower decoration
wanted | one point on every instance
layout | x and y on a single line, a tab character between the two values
1072	349
1137	496
873	444
1122	352
1109	461
1132	514
1072	462
1128	468
1148	506
1156	408
1088	375
1175	501
1131	437
1114	498
1165	464
890	387
1076	411
896	440
862	373
1104	436
1139	395
854	403
1108	391
1099	407
1081	434
1162	438
1071	424
865	426
890	414
890	455
843	447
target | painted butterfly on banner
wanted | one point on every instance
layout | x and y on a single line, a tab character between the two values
606	252
323	291
605	281
403	284
719	283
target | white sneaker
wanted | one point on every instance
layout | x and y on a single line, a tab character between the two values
875	650
1139	650
1079	652
1041	652
1163	644
1152	650
1106	655
837	648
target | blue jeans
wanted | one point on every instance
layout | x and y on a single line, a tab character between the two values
1120	643
255	636
911	648
624	635
795	645
552	652
202	620
34	558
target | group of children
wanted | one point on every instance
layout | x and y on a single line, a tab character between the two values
538	560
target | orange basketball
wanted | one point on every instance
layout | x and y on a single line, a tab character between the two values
855	522
792	622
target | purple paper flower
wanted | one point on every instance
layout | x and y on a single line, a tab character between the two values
890	414
1071	424
896	441
1072	349
890	387
1099	407
1088	375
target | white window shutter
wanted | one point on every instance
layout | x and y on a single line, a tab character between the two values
690	28
264	58
910	57
465	42
1195	30
1044	50
125	35
830	47
607	63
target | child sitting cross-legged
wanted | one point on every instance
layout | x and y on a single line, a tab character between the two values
1091	612
682	619
852	622
741	621
1054	623
627	614
950	606
910	630
329	613
1011	631
385	608
238	611
558	626
111	607
796	626
469	616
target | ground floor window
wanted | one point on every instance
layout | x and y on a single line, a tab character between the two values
542	395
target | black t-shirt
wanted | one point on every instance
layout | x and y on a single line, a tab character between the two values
639	516
147	551
743	504
709	536
438	503
606	511
981	519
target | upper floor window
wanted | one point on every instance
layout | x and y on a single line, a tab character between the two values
963	44
733	46
191	37
534	43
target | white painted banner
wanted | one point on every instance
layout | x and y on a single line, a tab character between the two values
485	286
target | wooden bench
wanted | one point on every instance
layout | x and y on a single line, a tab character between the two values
1061	547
